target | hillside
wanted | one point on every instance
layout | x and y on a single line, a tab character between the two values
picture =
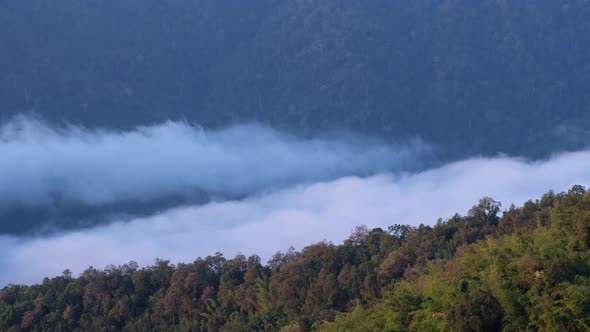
468	76
526	270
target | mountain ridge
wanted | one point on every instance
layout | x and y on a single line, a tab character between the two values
469	76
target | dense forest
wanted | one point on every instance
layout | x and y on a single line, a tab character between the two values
442	70
528	269
114	112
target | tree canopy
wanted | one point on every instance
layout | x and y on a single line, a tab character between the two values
528	269
471	76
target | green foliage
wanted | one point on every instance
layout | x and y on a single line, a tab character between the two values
533	277
528	270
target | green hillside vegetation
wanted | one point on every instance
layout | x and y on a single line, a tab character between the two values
526	270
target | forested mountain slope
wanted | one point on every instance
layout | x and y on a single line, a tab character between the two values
471	76
526	270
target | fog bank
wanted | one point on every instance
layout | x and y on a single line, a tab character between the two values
296	216
40	164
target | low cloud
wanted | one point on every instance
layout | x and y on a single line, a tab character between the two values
56	178
41	163
296	216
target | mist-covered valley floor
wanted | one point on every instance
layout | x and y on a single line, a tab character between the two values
73	197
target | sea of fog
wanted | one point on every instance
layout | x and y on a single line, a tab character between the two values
278	190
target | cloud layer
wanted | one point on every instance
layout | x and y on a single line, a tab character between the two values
40	163
296	216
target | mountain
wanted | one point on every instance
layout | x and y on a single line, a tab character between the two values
136	129
526	270
468	76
